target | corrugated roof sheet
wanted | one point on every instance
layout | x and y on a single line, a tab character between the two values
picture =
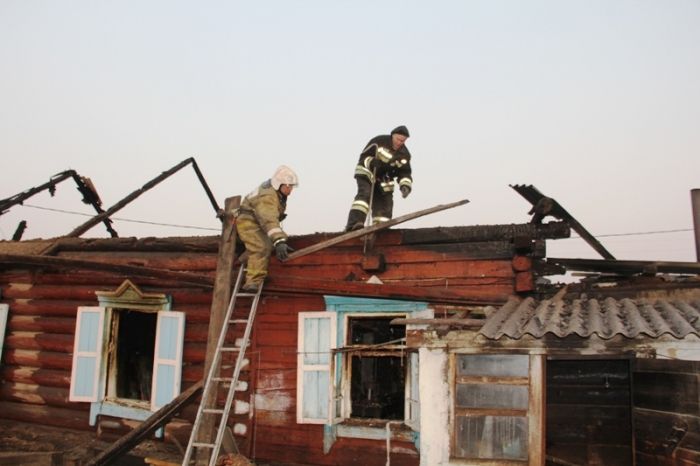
585	317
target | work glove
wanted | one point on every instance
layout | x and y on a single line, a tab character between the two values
405	191
282	250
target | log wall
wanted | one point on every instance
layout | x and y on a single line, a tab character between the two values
36	362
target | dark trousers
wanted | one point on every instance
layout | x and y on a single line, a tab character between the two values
382	204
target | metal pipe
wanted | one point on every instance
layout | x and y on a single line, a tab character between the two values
695	202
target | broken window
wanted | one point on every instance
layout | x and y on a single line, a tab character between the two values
377	368
130	368
127	356
354	365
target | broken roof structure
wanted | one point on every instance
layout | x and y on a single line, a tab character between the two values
435	346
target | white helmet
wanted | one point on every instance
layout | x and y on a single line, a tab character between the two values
284	175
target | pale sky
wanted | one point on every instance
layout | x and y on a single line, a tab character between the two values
596	103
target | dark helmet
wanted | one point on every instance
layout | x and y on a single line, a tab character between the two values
400	130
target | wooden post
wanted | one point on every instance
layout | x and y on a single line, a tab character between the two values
219	303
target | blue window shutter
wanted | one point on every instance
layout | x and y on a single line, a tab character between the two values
316	339
167	358
87	354
3	322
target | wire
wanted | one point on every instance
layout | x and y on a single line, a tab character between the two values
122	219
641	233
637	233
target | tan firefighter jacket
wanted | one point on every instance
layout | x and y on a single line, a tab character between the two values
266	207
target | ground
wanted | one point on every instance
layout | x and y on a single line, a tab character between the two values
31	444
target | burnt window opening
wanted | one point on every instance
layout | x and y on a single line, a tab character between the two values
378	373
132	368
373	330
377	388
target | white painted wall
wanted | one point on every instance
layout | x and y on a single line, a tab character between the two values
434	412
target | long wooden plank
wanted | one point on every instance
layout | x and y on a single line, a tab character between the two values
373	228
147	427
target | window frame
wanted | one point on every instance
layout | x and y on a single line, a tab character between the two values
338	308
343	358
533	412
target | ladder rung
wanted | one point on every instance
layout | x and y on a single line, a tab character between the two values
238	321
200	444
246	295
223	379
213	411
230	348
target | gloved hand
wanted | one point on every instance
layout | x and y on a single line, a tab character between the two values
282	250
405	191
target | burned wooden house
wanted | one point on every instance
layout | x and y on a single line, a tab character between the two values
438	346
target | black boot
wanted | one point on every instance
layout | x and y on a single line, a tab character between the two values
356	220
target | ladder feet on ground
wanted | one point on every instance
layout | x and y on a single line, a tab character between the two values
214	376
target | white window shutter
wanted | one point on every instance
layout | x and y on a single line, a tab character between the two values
87	354
167	358
316	339
4	309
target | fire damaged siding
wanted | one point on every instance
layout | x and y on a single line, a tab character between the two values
43	298
588	411
666	412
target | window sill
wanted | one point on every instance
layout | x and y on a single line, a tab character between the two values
374	429
369	429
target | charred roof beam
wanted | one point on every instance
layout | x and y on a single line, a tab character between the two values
84	186
121	204
543	206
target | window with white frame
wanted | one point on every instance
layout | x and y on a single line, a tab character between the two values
127	357
353	364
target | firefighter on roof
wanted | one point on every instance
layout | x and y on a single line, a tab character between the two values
258	224
383	164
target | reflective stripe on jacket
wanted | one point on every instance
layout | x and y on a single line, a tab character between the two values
389	163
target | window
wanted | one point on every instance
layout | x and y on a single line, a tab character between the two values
353	365
491	401
127	357
375	363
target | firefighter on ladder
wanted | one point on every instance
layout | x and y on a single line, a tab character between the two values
385	159
258	224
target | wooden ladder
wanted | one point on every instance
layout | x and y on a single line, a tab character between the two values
210	405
